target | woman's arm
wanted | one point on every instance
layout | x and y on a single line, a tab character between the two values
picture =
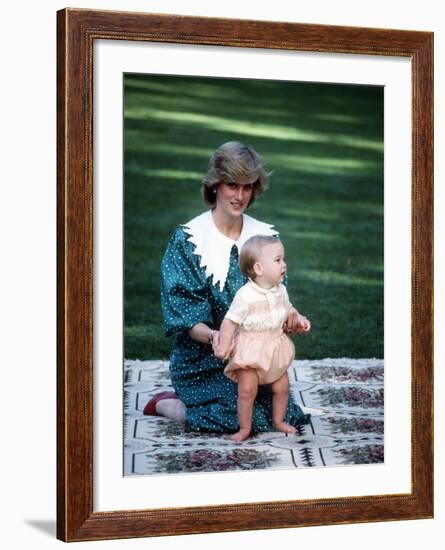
202	333
184	292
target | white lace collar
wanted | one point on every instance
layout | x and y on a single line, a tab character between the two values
214	248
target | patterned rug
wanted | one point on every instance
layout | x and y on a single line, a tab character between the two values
347	392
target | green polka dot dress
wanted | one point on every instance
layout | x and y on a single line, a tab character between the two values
190	296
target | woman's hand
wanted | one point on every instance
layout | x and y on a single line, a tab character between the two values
215	339
220	352
223	352
204	334
296	323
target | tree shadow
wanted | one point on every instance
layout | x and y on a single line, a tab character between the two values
324	145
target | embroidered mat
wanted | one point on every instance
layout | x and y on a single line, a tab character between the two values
348	393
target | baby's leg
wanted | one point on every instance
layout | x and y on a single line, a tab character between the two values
247	390
280	391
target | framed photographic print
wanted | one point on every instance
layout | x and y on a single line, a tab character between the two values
324	147
339	121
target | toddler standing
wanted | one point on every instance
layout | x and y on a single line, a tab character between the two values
252	333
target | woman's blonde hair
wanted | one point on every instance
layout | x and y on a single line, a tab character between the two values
234	162
251	252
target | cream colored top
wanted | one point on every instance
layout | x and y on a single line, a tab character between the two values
258	309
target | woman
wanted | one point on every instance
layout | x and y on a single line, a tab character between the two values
199	278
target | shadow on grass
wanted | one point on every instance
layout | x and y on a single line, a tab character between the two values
324	144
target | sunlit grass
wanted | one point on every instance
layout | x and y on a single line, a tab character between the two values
166	174
324	145
347	119
312	164
137	144
337	278
256	129
311	236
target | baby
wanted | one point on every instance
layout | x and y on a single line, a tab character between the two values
253	329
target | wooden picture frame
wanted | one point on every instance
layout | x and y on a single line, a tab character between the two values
77	31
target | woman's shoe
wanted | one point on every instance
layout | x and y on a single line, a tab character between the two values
150	407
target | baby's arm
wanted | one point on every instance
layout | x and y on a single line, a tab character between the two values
295	322
226	333
233	319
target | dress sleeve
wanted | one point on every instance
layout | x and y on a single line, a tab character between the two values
184	294
238	309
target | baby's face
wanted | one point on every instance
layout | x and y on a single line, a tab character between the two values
273	264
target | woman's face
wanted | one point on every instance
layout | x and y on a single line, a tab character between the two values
233	198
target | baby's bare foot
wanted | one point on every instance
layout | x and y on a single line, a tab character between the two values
240	436
283	427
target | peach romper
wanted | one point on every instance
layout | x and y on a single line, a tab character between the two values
260	343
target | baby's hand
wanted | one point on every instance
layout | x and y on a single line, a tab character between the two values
220	352
296	322
304	325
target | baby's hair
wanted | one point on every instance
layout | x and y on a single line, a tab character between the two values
251	251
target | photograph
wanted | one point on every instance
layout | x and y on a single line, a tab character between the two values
223	275
253	274
244	275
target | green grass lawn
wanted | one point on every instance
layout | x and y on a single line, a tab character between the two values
324	144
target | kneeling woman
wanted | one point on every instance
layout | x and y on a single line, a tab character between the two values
199	279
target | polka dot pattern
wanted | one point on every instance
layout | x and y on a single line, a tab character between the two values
189	297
